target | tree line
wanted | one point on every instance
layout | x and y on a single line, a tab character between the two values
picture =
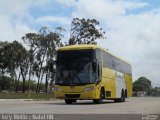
19	63
145	85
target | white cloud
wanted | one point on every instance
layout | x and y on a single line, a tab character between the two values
102	9
12	32
66	3
9	25
45	20
16	17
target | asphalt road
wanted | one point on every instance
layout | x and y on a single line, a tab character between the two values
139	105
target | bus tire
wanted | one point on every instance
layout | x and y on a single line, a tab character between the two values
74	100
123	96
126	95
122	99
68	101
100	100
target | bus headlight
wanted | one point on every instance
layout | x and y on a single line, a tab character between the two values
57	89
89	88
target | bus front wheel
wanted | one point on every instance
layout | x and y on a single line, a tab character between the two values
68	101
100	100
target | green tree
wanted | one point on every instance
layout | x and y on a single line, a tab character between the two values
9	61
3	63
21	55
32	85
85	31
43	46
12	56
31	39
5	83
155	91
142	84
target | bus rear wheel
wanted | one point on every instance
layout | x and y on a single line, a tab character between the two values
122	99
123	96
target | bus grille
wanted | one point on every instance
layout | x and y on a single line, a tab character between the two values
72	95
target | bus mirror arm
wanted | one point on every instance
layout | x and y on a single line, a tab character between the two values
95	60
54	62
97	81
54	71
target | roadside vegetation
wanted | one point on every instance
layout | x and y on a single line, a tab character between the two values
144	85
29	96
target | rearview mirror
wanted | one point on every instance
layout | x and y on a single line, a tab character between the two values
54	62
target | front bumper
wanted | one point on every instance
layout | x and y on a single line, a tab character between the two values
87	95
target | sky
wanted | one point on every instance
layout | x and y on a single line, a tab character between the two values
132	26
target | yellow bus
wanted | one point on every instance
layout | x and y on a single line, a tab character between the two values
89	72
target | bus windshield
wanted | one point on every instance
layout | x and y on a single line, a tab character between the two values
75	67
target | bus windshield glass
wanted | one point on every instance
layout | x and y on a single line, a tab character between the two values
75	67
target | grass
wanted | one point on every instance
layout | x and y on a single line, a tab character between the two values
34	96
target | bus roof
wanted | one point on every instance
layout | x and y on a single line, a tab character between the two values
77	47
87	46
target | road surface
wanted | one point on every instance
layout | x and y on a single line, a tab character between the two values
134	105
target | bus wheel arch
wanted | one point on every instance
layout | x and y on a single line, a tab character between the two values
102	96
103	92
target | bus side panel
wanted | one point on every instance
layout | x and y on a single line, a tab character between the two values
128	80
108	78
120	84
